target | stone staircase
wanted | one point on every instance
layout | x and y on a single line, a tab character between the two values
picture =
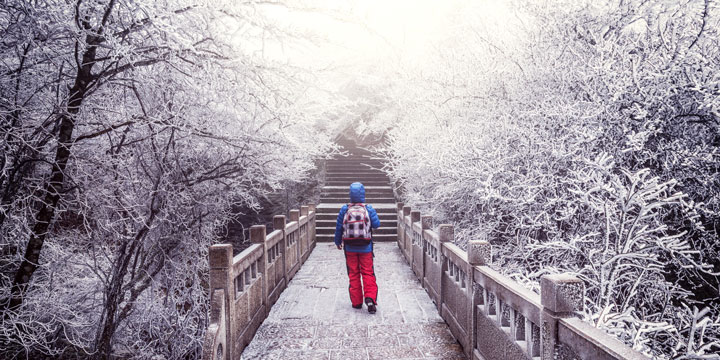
342	171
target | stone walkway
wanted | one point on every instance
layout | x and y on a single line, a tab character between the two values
313	318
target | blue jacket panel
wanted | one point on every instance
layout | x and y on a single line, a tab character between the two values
357	195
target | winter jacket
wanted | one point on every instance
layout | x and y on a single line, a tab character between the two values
357	195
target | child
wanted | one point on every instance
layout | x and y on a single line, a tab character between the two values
354	230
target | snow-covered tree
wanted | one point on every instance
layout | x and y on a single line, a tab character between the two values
130	130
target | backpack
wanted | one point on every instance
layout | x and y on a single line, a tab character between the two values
356	225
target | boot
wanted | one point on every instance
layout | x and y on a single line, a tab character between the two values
370	305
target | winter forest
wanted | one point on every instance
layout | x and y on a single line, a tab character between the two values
575	135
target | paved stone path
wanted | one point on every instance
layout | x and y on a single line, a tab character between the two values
313	318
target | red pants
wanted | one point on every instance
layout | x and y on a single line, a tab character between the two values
361	264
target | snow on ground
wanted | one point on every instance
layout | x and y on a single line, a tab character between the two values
313	318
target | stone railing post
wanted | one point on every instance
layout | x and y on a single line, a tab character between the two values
295	216
311	229
479	254
258	235
304	211
407	242
221	277
406	210
561	296
446	233
398	217
426	223
414	217
279	224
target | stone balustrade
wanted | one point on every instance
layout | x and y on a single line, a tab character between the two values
244	287
492	316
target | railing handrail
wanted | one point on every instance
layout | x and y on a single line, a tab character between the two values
244	287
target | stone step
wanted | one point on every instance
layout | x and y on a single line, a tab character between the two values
344	199
335	211
347	183
356	173
352	168
358	157
359	176
344	195
332	217
355	170
367	188
331	214
378	231
378	237
357	165
345	192
355	161
350	181
329	208
364	171
358	179
330	223
368	199
353	150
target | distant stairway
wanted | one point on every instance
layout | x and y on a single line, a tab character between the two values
358	166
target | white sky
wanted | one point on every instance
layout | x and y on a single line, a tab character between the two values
378	34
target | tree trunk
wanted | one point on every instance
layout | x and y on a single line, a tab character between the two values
54	186
113	297
115	291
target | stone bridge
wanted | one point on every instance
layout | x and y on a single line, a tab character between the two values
286	297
